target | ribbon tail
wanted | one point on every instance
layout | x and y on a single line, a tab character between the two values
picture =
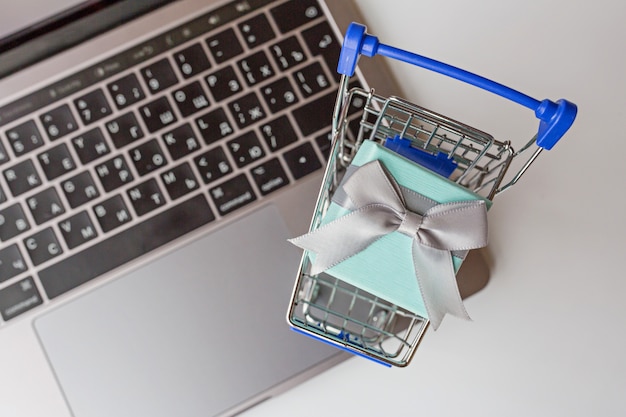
344	237
437	282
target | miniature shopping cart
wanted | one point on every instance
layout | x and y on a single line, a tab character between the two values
342	314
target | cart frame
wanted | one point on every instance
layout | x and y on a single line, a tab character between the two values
345	316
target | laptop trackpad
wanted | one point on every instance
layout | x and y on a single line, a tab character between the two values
191	334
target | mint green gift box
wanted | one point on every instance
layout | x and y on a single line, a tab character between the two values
385	268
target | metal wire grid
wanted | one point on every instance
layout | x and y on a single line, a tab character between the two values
338	312
348	315
481	161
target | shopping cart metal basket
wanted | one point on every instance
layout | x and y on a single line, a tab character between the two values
344	315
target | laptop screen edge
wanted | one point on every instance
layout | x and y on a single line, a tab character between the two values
66	29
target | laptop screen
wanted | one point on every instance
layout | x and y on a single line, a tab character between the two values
33	30
23	15
27	18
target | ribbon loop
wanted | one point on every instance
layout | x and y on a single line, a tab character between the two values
380	209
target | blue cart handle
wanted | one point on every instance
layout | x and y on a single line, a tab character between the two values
555	118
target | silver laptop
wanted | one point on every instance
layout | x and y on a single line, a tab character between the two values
154	158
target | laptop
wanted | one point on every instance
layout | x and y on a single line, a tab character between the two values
154	158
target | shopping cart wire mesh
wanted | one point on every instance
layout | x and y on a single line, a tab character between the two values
348	317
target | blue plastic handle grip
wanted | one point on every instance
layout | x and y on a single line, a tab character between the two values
555	118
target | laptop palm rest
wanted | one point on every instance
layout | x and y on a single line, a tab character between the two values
191	334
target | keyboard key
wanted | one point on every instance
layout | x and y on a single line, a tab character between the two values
11	262
279	95
213	165
293	14
24	138
288	53
214	126
77	230
278	133
324	142
114	173
125	246
321	40
22	177
315	115
190	99
90	146
80	189
256	68
124	130
311	79
223	83
157	114
4	157
247	110
146	197
269	176
181	141
56	161
192	60
147	157
13	221
126	91
112	213
224	46
18	298
256	31
159	75
43	246
92	106
45	205
3	196
179	181
302	160
232	194
246	149
58	122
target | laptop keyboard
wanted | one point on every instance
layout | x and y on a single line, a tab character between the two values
172	134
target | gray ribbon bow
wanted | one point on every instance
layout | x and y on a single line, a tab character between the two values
380	210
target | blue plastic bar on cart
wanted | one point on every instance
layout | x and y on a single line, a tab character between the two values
337	345
441	163
555	117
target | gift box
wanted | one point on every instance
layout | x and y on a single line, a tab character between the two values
398	231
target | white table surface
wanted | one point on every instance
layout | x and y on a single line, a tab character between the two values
548	335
